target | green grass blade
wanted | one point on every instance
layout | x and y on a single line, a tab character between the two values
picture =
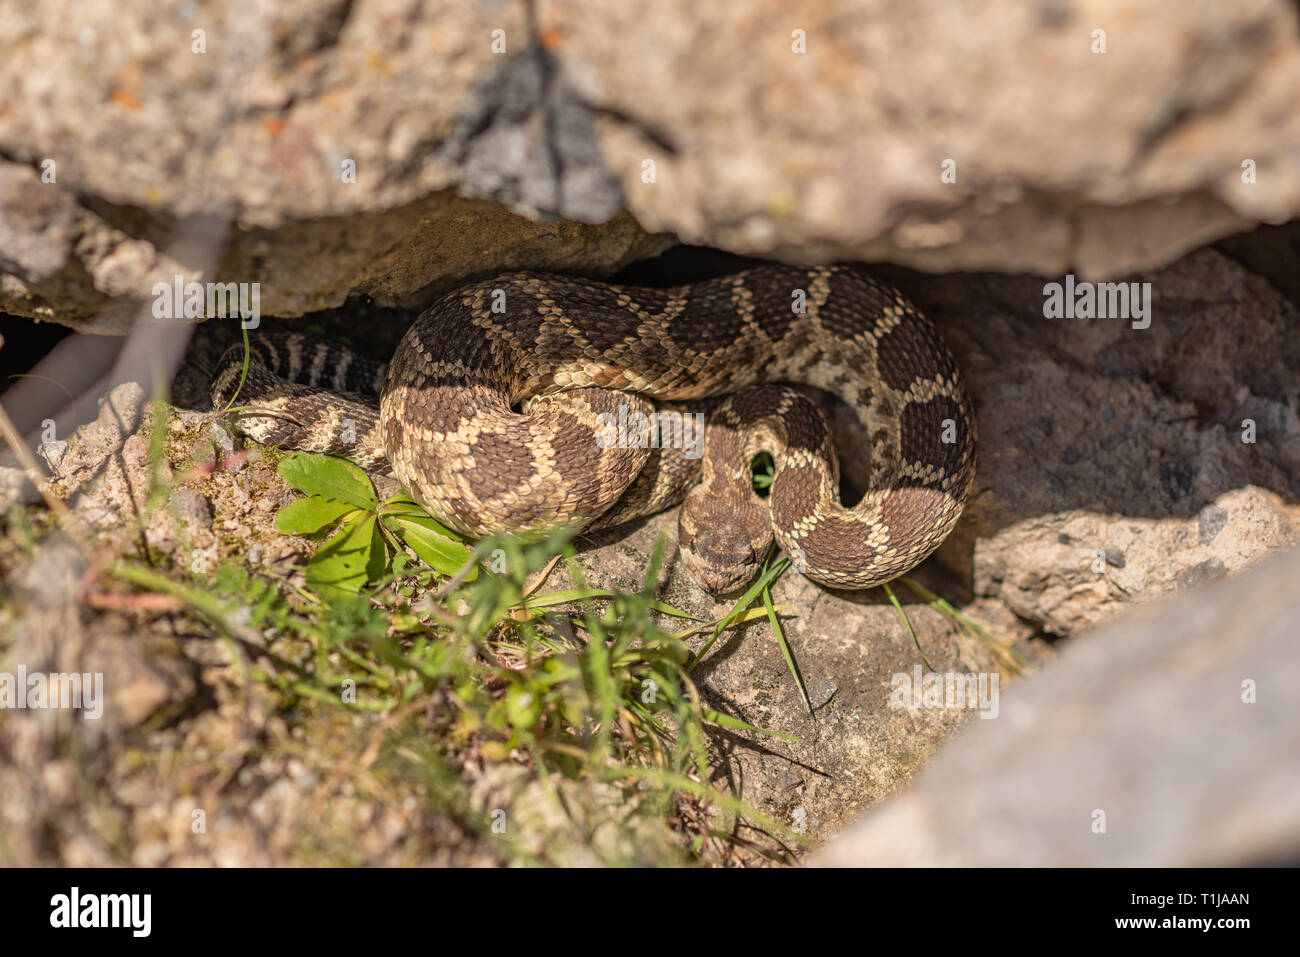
768	576
907	624
775	622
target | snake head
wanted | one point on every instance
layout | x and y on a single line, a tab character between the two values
721	560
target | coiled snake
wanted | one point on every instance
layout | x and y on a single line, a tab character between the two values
516	403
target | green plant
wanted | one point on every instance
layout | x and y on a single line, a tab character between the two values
367	532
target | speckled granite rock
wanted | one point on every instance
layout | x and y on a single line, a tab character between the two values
1164	740
1118	464
317	142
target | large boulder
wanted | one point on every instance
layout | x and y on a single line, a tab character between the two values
311	146
1167	739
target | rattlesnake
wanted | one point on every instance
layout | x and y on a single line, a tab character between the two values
501	410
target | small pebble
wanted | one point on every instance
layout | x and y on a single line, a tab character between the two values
191	507
53	453
1210	522
1207	571
202	452
822	694
222	439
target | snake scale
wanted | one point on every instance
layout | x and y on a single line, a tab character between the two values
516	403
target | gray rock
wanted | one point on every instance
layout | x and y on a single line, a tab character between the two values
37	224
1164	740
1210	570
322	142
1068	527
1209	523
525	137
191	507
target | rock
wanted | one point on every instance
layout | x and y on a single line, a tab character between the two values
526	136
1114	460
1163	740
1209	523
191	507
89	449
838	152
320	147
37	226
404	257
1095	490
52	453
1210	570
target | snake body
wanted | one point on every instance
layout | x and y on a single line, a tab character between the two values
506	403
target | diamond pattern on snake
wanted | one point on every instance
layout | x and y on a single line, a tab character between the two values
507	404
